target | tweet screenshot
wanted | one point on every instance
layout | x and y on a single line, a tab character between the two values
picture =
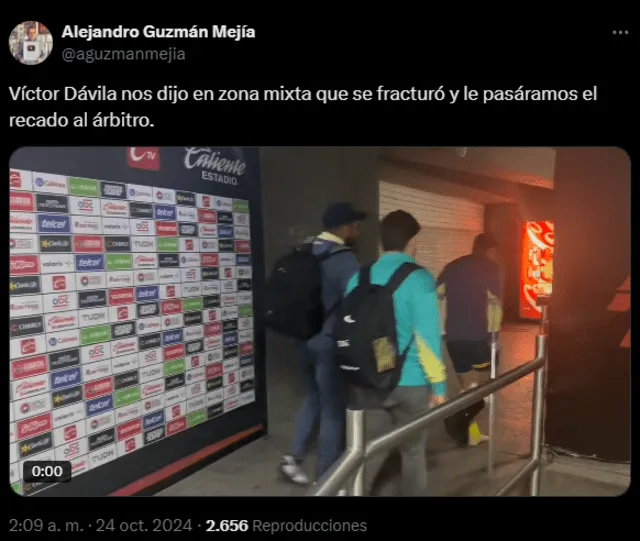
255	261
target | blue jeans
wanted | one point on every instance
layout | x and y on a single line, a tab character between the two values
324	402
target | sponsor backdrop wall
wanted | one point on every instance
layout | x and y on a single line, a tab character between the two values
132	339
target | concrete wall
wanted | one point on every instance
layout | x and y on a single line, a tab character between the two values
297	184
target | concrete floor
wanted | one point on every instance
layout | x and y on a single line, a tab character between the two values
251	471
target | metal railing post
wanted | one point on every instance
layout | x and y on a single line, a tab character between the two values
537	422
492	406
356	442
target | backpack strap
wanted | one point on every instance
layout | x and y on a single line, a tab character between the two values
397	279
400	275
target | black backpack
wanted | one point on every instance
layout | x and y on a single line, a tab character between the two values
293	300
365	332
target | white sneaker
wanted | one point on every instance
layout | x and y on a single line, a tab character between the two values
292	471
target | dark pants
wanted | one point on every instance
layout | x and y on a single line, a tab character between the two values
324	403
468	355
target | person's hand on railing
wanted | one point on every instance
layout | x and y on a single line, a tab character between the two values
435	401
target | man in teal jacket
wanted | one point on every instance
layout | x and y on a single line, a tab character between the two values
424	375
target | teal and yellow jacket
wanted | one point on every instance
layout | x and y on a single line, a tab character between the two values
417	316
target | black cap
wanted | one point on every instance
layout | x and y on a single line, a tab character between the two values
338	214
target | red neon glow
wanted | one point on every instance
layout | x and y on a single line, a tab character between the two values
536	273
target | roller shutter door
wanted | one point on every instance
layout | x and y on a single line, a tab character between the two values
449	224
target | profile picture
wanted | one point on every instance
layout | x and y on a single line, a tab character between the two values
30	43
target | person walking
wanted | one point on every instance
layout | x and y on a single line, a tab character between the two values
305	291
472	288
389	347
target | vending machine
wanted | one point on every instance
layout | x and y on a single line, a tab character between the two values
536	272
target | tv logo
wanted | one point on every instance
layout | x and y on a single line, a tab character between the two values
147	158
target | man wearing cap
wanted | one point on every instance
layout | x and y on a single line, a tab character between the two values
325	399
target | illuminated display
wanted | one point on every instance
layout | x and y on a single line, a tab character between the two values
536	272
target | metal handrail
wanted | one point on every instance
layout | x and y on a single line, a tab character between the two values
349	469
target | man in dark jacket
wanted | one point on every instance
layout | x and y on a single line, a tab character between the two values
325	399
472	287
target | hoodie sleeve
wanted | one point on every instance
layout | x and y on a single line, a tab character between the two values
427	335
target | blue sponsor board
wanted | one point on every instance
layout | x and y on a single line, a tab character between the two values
99	405
172	337
225	232
65	378
89	263
53	223
153	420
243	260
147	293
164	212
230	339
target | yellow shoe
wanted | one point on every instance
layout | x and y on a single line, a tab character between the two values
475	436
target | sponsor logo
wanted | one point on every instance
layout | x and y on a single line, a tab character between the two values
36	445
171	307
84	187
189	245
153	388
115	209
214	411
84	206
189	260
154	403
149	357
147	293
204	201
33	385
119	262
164	212
125	379
177	425
117	244
153	420
113	190
101	439
55	243
123	330
187	199
115	225
94	335
22	347
87	225
172	337
143	244
173	382
187	230
243	246
197	346
145	261
153	436
20	265
242	232
243	260
141	210
147	158
210	273
244	272
83	244
143	227
125	363
192	318
191	290
34	426
136	192
89	263
149	341
21	202
65	378
22	222
174	352
20	180
166	229
25	285
225	218
186	214
148	309
207	216
53	223
244	285
241	219
26	326
92	299
125	397
124	346
168	260
64	359
26	368
225	232
52	203
226	245
99	387
215	165
164	196
66	397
